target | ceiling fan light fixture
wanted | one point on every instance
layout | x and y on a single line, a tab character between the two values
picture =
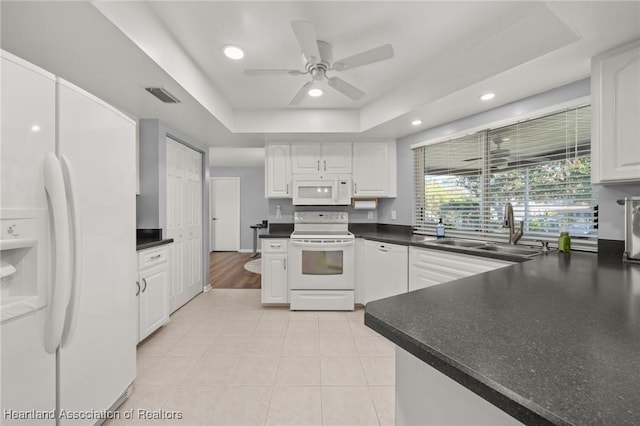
315	92
487	96
233	52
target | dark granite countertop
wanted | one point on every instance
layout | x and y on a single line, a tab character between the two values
553	340
145	244
150	237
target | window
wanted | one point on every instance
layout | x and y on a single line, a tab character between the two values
542	166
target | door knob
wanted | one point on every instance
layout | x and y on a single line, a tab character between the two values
214	218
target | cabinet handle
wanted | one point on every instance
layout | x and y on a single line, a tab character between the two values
355	188
285	263
144	280
287	188
157	256
138	290
325	165
318	165
276	245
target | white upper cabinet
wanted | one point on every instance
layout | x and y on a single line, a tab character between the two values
336	157
615	97
278	171
372	166
374	169
321	158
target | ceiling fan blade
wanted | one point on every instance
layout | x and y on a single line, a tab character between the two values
259	72
301	93
345	88
306	36
378	54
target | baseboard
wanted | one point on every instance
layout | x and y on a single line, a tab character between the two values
207	288
248	251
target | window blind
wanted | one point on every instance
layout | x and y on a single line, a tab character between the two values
541	166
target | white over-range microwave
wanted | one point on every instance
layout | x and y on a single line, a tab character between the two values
325	190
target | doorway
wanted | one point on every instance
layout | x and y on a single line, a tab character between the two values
224	197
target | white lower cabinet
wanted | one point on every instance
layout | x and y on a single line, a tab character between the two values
431	267
385	274
425	396
274	285
152	290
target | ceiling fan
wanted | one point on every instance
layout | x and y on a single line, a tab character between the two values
317	58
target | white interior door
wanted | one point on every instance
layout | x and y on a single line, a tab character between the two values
184	222
225	213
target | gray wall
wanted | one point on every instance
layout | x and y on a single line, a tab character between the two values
611	215
403	204
253	204
151	202
287	209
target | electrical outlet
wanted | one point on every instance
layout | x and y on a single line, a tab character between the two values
394	215
278	212
369	215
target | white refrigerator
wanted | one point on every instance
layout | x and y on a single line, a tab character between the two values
67	239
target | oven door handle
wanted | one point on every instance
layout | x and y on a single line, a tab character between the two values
319	244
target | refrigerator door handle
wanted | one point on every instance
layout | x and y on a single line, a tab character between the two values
60	285
76	248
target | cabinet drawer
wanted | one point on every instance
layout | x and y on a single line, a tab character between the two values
274	245
152	257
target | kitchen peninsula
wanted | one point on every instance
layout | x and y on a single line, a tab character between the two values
553	340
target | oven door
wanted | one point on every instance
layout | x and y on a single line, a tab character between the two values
321	264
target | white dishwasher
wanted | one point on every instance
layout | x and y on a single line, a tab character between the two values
385	270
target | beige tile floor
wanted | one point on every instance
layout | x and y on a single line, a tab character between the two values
225	360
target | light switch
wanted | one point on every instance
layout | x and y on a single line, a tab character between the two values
394	215
369	215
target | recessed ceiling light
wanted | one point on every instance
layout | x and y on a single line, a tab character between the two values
488	96
35	128
416	122
233	52
315	92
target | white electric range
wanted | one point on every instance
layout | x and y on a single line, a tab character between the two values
322	262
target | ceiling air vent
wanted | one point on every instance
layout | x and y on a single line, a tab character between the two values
163	95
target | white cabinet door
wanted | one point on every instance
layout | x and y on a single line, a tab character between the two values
153	300
184	222
431	267
277	171
306	158
374	169
615	96
153	285
385	270
275	284
336	157
274	279
321	158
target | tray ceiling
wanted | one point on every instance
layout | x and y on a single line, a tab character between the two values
446	55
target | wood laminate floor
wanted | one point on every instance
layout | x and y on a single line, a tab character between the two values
226	270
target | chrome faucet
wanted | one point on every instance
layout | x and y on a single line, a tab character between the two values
514	236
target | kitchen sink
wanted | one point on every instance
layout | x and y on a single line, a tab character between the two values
509	249
460	243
